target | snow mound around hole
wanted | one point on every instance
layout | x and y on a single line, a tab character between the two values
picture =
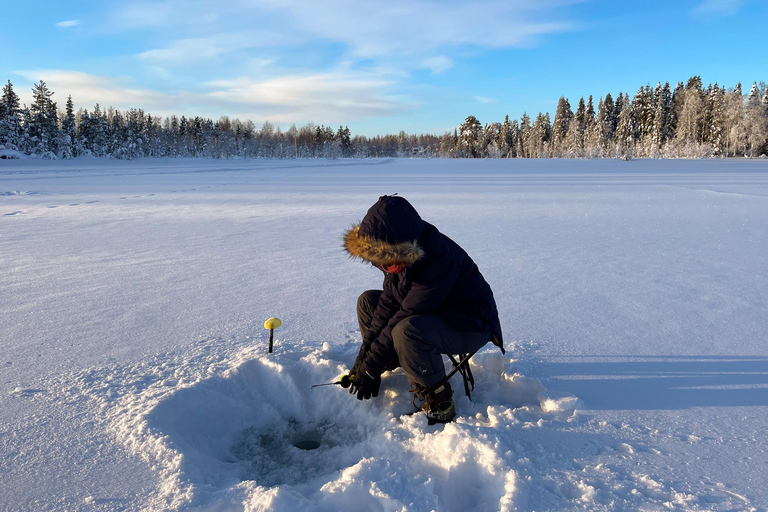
252	436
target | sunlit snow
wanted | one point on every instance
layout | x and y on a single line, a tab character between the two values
135	373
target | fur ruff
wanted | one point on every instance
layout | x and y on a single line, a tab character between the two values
380	252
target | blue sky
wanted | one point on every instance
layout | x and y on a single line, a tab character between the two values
378	67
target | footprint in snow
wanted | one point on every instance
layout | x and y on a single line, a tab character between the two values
26	392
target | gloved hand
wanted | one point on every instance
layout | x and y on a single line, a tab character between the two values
366	381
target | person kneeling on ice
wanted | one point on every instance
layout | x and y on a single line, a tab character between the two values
434	301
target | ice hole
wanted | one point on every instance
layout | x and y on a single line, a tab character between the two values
293	452
307	444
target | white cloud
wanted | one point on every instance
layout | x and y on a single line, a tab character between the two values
397	28
437	64
413	33
484	100
69	23
338	96
87	90
196	50
709	7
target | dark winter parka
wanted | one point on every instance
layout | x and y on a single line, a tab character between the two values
440	277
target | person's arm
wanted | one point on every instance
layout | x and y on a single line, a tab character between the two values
385	309
428	293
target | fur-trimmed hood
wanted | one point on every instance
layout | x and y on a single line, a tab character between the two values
389	233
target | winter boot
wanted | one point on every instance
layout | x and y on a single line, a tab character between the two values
438	407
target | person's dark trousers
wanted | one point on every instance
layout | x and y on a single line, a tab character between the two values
420	340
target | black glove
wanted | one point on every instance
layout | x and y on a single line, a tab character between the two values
360	357
366	381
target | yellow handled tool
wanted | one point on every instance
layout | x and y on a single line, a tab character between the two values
272	324
344	381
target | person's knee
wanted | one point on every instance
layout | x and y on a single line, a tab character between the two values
368	299
399	336
408	334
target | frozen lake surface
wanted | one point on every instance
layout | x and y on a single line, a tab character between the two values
633	297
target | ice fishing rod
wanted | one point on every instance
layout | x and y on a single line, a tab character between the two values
345	381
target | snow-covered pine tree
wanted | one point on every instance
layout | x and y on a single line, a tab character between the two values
562	122
44	129
504	141
756	129
134	128
605	123
470	134
618	108
691	120
514	141
491	136
734	120
660	131
68	135
539	140
10	118
625	130
591	133
716	125
575	138
525	135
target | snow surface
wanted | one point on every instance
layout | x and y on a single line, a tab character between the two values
134	372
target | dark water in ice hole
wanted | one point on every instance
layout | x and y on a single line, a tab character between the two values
294	452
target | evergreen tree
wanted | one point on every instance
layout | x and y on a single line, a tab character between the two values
470	137
9	102
716	128
67	144
734	120
345	139
591	133
756	124
605	123
44	128
540	136
625	130
575	137
10	118
691	119
99	131
644	110
563	117
660	131
525	136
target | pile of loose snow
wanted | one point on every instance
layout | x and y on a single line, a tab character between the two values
234	429
631	294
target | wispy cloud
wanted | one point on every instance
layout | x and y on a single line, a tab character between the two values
69	23
438	64
187	51
711	7
87	90
484	100
338	96
416	34
397	28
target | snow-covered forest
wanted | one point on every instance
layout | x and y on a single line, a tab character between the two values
689	121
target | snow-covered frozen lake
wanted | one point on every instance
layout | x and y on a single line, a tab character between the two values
134	373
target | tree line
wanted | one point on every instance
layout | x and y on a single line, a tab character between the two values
689	121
